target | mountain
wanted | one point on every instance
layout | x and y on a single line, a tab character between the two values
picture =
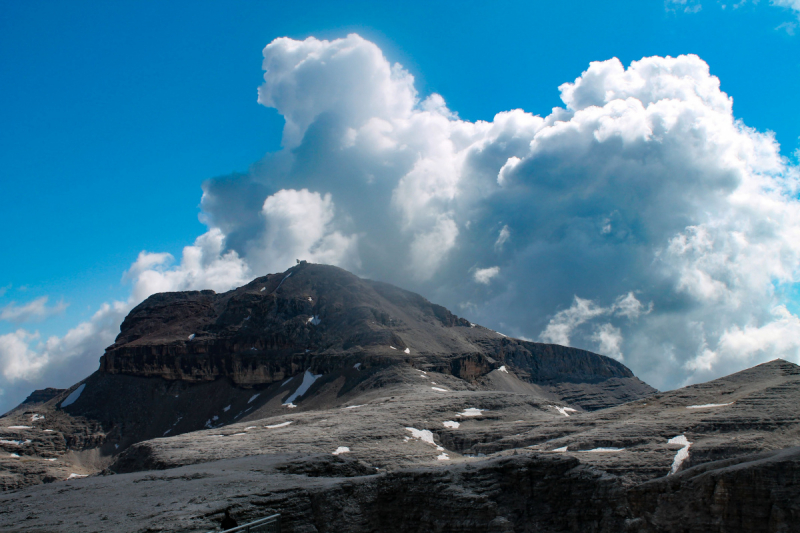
351	405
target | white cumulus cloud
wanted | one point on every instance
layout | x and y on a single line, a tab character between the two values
641	219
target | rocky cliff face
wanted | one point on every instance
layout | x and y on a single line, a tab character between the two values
319	317
351	405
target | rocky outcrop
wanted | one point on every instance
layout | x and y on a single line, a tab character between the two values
319	317
754	494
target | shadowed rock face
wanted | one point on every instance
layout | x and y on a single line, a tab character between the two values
313	316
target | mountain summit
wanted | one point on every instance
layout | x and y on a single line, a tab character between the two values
351	405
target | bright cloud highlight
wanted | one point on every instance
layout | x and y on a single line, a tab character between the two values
641	219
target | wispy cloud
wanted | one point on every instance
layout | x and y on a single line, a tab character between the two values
35	310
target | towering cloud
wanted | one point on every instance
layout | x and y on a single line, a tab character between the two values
641	219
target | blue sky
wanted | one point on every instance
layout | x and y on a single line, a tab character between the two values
116	113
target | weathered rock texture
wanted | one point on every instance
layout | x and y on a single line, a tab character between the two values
403	417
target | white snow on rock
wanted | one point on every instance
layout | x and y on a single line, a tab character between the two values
248	428
289	405
562	449
440	389
352	406
309	299
19	427
36	417
226	409
707	405
262	289
682	454
602	450
49	430
422	434
14	442
75	476
407	350
503	369
392	347
74	396
341	449
357	366
472	411
564	410
308	380
13	455
287	381
443	457
237	434
253	397
53	458
191	337
215	418
451	424
315	320
165	433
281	425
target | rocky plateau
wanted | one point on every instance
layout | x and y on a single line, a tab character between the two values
352	405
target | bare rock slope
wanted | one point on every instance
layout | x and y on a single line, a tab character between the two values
351	405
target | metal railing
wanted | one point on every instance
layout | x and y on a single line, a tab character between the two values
270	524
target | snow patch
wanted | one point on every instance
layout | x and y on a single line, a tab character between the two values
19	427
352	406
682	454
248	428
422	434
562	449
308	380
471	411
341	449
707	405
392	347
451	424
503	369
74	396
602	450
13	455
75	476
281	425
309	299
289	405
314	320
357	366
564	410
287	381
407	350
262	289
253	397
237	434
440	389
49	430
191	337
167	431
15	442
226	409
215	418
36	417
443	457
53	458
